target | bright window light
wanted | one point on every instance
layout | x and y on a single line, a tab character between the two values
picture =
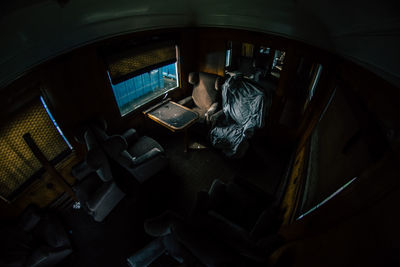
228	58
315	82
54	122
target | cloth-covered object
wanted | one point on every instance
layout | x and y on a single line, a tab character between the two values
244	107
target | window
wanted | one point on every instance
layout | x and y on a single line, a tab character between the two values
330	167
138	90
316	73
141	74
228	56
277	63
54	122
264	50
18	165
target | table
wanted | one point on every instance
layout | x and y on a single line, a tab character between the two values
173	116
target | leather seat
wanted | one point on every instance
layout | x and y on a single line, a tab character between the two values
142	157
233	224
205	95
96	188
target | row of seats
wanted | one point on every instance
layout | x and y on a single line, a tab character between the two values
97	188
233	224
36	239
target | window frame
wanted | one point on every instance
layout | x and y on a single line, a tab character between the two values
148	70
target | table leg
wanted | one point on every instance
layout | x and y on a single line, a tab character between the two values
186	140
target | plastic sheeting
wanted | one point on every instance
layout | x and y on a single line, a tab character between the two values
244	105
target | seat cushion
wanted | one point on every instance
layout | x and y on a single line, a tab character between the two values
143	145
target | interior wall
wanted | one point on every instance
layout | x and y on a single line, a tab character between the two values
77	87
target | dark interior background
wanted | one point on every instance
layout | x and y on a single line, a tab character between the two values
77	89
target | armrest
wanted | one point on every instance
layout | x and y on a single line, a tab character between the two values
218	83
147	156
214	117
148	254
130	136
216	187
186	101
46	256
213	108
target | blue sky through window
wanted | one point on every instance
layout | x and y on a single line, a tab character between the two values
54	122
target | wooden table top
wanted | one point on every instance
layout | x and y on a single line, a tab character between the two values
172	115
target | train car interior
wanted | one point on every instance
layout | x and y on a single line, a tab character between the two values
155	134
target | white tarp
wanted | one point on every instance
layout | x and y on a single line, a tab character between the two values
244	106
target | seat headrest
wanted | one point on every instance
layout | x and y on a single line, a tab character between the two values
193	78
100	123
115	144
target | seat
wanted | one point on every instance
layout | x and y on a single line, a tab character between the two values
243	215
36	239
96	189
233	224
244	106
187	241
142	157
205	94
242	204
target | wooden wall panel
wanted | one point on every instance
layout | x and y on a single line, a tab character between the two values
211	51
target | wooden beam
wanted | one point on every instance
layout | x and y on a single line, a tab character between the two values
48	166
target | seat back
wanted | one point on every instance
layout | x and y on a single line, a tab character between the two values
205	88
246	65
96	158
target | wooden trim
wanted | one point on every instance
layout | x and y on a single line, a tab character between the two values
171	127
